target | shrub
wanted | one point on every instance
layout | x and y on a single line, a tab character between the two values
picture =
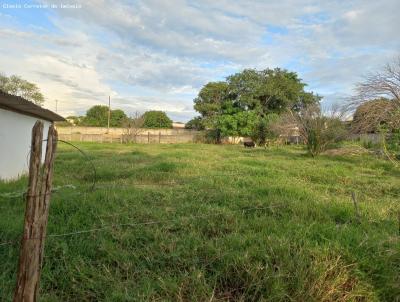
195	123
156	119
263	128
394	141
213	136
318	130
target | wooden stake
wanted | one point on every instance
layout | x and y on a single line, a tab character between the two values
353	196
398	218
109	114
36	215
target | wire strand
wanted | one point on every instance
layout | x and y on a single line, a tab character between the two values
151	222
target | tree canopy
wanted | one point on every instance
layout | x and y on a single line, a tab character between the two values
156	119
97	116
211	98
195	123
17	86
248	101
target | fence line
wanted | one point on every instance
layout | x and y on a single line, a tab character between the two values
121	135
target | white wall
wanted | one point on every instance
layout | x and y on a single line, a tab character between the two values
15	141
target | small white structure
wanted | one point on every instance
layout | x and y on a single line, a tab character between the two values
17	117
178	125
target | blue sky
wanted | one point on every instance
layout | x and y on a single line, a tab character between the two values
157	54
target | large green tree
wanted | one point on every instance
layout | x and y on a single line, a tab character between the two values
97	116
248	101
210	99
269	91
17	86
156	119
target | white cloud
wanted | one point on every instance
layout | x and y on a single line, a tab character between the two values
68	76
157	54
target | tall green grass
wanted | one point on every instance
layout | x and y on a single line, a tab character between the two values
230	224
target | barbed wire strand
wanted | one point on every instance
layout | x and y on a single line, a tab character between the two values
87	158
23	194
151	222
16	194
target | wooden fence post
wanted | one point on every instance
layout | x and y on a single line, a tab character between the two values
353	196
36	215
148	137
159	137
398	218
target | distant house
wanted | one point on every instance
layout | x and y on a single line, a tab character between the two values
178	125
71	120
17	117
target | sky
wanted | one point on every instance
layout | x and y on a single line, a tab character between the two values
156	55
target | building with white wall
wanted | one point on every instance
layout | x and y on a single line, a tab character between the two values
17	117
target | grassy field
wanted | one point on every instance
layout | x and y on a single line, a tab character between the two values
213	223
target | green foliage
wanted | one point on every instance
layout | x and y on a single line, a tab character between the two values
97	116
75	120
394	140
118	118
262	129
369	144
156	119
213	136
269	91
211	98
321	132
195	123
245	104
302	244
17	86
238	124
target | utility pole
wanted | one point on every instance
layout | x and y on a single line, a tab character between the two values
109	114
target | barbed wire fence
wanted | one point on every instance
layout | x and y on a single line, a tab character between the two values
79	190
58	189
132	223
145	223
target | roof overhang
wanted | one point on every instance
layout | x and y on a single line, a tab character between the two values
23	106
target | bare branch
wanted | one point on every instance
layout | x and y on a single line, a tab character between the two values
133	127
377	100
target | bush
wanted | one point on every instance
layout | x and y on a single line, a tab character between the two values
97	116
263	129
368	144
195	123
319	131
156	119
394	141
213	136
